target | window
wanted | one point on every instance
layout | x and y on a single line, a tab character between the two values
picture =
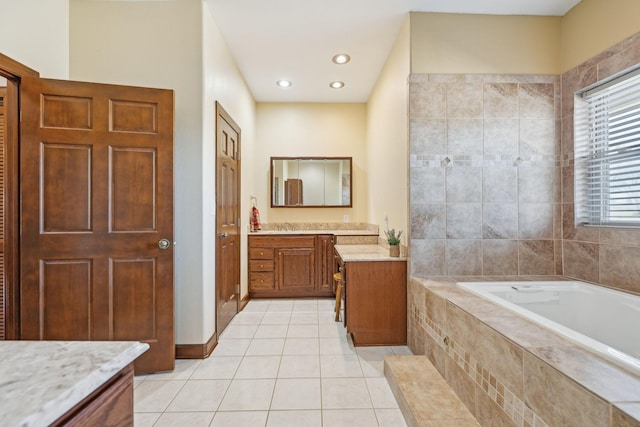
607	152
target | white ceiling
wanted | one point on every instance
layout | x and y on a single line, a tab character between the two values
296	39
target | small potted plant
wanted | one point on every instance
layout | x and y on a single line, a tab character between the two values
394	242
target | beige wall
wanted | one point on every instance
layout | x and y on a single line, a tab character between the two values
174	45
594	26
608	256
484	44
310	129
387	139
157	44
36	34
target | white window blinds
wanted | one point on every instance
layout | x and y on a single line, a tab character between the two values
607	153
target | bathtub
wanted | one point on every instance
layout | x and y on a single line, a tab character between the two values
603	320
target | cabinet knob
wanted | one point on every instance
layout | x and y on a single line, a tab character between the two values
261	265
261	253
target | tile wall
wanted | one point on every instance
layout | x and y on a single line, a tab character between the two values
491	177
484	175
606	256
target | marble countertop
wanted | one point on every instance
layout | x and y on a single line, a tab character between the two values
350	253
42	380
304	231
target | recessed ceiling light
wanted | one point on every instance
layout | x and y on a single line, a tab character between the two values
284	83
341	58
336	85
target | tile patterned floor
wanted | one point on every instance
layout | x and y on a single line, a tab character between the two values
279	363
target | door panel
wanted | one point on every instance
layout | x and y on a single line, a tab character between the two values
66	191
133	173
227	218
133	299
97	197
134	117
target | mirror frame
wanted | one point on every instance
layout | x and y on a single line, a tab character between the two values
271	186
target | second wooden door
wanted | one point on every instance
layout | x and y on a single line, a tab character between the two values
227	218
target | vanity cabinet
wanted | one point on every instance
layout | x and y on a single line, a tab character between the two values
290	265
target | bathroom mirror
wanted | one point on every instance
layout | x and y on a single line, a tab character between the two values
303	182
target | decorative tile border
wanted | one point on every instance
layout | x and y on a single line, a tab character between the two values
437	161
515	408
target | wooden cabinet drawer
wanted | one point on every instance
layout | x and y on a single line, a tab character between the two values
295	242
261	281
261	265
261	241
280	241
260	253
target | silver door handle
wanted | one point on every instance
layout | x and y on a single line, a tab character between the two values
164	244
223	235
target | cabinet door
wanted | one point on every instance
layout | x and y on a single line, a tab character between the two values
296	269
326	264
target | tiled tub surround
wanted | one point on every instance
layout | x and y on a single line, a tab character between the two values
599	255
593	316
509	371
484	175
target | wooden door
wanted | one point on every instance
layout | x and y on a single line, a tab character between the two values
227	218
293	192
97	215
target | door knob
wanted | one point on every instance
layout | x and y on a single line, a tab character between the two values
164	243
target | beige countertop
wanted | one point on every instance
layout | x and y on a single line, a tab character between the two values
350	253
307	232
41	380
